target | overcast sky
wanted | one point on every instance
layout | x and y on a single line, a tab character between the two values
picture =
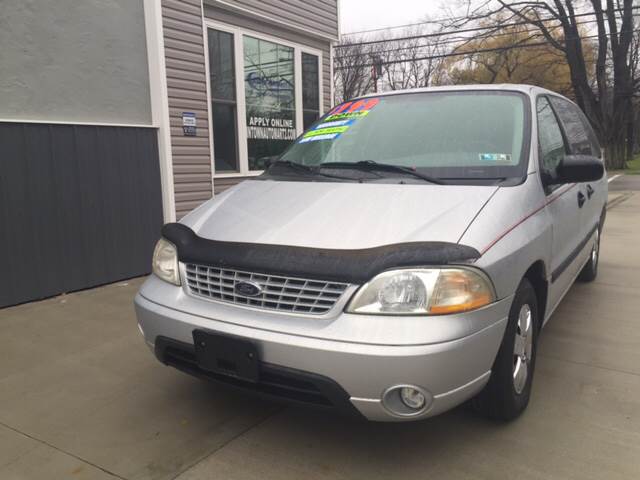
358	15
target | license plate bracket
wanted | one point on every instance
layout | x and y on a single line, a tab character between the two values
234	357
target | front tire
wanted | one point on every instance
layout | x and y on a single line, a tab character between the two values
507	393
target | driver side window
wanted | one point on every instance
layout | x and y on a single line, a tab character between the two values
551	146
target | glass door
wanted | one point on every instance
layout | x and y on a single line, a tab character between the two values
269	99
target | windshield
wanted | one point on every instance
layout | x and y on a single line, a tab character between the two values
455	135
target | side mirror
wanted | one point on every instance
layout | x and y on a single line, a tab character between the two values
579	168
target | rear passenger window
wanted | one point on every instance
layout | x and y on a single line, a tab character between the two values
550	142
577	134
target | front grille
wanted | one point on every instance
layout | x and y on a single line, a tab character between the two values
278	293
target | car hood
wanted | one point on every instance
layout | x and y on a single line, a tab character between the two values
338	215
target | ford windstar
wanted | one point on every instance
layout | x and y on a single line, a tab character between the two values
398	259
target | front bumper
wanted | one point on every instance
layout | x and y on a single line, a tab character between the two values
450	371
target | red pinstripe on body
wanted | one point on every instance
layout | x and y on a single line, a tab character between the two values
551	199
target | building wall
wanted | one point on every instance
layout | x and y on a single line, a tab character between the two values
312	24
64	61
187	90
80	185
318	17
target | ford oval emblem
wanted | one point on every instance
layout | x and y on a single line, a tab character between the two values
247	289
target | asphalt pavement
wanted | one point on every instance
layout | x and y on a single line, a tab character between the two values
82	397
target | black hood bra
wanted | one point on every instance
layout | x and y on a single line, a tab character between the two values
349	266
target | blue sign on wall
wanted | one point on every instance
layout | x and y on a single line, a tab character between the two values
189	124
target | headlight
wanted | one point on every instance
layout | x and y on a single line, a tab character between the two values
432	291
165	262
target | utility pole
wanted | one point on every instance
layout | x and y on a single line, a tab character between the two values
376	72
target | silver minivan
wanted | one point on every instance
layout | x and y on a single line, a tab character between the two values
397	260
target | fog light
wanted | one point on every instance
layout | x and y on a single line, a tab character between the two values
412	398
407	400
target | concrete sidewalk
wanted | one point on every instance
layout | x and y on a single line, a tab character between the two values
82	397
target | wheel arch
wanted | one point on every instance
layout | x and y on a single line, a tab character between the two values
537	276
603	217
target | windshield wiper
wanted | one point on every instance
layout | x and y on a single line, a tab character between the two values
293	165
304	169
370	165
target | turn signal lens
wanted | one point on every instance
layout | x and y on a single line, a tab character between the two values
460	291
165	262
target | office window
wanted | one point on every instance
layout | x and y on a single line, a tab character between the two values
270	99
224	108
264	92
310	89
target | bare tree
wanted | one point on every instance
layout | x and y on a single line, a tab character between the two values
408	59
352	75
513	55
603	74
411	62
633	139
609	105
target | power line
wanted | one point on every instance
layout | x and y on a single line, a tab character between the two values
466	30
461	40
437	22
425	22
407	25
458	54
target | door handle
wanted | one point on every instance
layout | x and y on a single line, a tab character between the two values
581	199
590	191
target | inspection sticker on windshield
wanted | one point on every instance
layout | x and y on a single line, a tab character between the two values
339	120
495	157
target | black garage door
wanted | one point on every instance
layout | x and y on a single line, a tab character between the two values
80	206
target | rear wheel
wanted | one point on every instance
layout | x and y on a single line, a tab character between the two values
590	271
506	395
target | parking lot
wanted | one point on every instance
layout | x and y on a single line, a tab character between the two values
82	397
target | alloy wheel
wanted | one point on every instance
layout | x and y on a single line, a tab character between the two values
523	348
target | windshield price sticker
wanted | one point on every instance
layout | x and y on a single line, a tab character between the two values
348	115
330	133
339	120
337	123
314	133
315	138
364	105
